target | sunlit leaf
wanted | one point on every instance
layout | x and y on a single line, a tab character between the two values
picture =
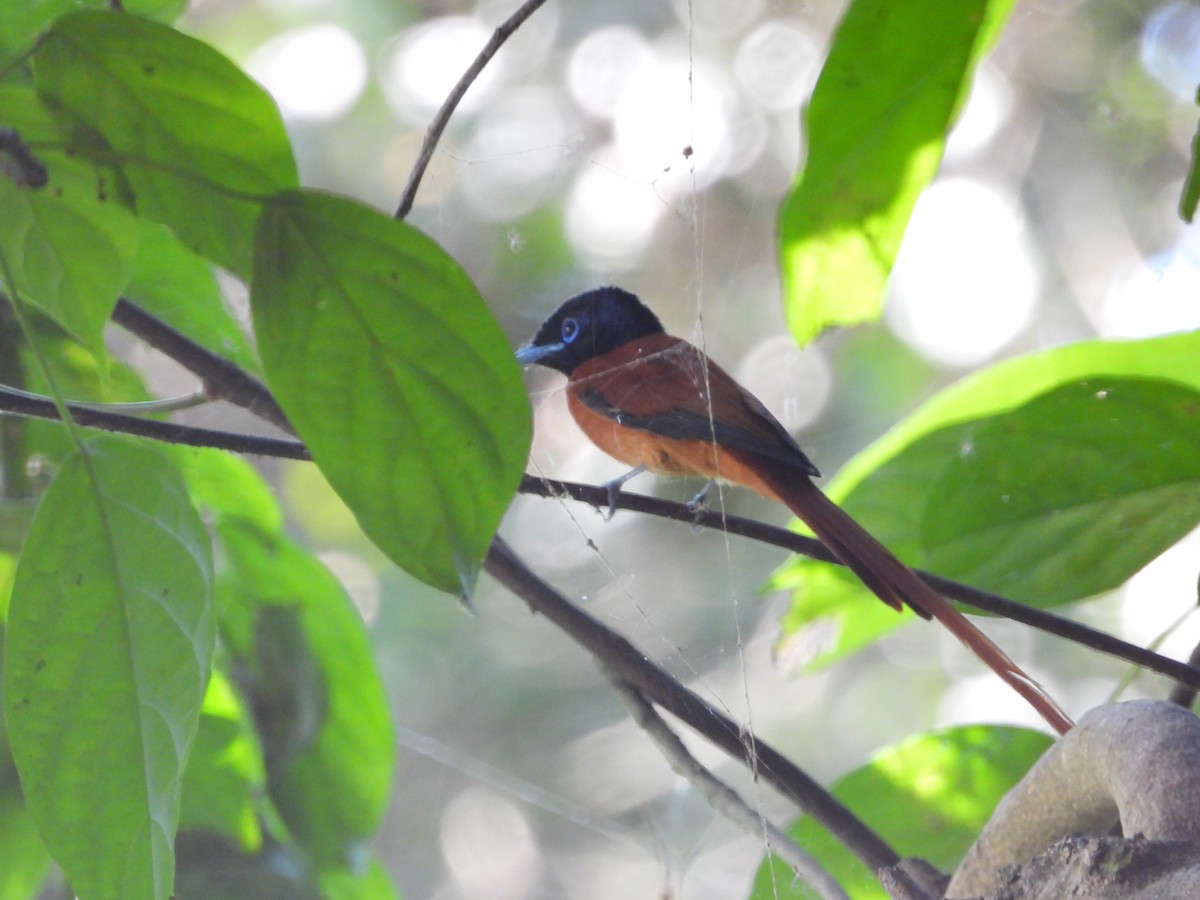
69	244
198	139
1063	497
110	635
319	703
396	376
887	95
927	797
24	862
374	884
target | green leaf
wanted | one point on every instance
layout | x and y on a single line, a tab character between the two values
374	884
110	635
224	486
1190	196
24	20
180	288
318	700
224	776
895	77
1063	497
395	375
200	142
24	862
69	244
927	797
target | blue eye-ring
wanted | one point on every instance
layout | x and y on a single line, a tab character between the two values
570	330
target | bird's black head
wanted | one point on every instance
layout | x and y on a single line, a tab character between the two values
589	325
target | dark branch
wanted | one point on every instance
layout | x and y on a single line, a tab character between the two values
622	661
221	378
796	543
169	432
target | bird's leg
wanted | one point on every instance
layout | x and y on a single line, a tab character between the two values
614	488
699	503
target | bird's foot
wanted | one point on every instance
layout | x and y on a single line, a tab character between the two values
614	490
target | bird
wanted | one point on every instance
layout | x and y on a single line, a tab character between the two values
657	403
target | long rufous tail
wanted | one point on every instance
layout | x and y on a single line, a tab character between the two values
896	584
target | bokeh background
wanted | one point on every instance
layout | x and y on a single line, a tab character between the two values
649	144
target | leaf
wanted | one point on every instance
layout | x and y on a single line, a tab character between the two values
179	287
876	125
110	635
928	797
69	244
224	776
395	375
1061	498
1190	196
200	142
22	22
318	700
374	884
24	862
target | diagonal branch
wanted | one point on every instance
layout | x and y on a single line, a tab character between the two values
724	799
624	662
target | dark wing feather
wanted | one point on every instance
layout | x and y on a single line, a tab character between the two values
662	390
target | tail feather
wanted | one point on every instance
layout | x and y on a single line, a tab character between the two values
896	584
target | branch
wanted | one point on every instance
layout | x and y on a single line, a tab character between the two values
1050	623
723	798
434	133
624	662
222	379
24	404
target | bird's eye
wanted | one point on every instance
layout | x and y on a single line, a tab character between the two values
570	330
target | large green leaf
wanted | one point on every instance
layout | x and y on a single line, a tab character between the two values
198	139
110	636
1061	498
68	244
318	700
876	125
396	376
927	797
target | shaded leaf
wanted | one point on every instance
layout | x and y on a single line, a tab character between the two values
395	375
110	635
928	796
876	125
69	244
179	287
224	779
319	704
198	139
1061	498
23	21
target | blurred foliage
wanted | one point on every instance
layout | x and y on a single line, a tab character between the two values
166	163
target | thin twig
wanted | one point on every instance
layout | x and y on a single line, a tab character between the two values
724	799
433	134
598	497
